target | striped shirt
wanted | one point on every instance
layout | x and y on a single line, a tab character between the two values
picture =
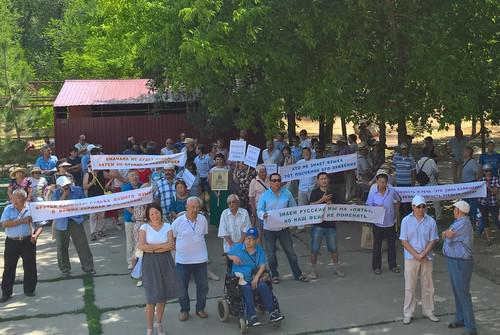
460	246
404	166
165	192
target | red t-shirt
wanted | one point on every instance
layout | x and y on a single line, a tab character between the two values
144	175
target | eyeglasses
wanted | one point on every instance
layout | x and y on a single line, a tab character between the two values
488	170
421	206
275	180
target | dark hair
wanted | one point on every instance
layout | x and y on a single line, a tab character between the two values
129	145
322	173
353	137
59	162
426	151
178	182
202	148
190	165
72	149
428	138
274	174
382	176
306	148
470	149
286	147
219	155
154	205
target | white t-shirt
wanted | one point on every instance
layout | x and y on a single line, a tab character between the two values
232	226
428	165
190	244
156	237
306	184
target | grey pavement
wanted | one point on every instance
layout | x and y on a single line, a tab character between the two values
360	303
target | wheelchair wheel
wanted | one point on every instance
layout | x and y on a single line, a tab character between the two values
243	325
222	309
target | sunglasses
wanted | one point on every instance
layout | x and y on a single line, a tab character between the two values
487	170
421	206
275	180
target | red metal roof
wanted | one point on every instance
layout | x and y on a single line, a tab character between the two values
104	92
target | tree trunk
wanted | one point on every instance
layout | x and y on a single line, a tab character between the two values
402	131
343	124
329	129
483	133
382	137
321	129
474	129
291	125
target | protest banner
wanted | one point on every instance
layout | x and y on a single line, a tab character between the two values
271	168
252	156
313	214
188	178
126	162
444	192
237	151
49	210
312	167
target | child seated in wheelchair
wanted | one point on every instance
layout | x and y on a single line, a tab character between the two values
249	259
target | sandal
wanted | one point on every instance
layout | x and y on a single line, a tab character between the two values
276	280
303	279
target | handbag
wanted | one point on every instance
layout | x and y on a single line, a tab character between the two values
366	236
137	271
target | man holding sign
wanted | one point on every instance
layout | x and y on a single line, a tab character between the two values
278	197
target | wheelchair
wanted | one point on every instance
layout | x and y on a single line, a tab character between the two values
233	304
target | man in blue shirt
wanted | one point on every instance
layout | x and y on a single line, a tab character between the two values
491	157
46	162
164	190
457	248
418	236
277	197
71	227
21	236
249	260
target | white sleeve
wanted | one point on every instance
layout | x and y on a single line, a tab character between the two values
246	224
222	227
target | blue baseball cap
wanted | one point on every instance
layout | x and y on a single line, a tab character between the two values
253	232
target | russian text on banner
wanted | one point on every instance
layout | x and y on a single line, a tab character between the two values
237	151
314	166
126	162
444	192
252	156
49	210
313	214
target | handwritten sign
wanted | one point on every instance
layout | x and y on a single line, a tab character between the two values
237	151
252	156
312	167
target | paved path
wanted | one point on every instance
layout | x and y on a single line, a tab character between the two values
360	303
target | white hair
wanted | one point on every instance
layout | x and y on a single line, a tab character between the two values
20	193
260	167
193	198
232	197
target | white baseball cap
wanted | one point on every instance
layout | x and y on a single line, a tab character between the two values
91	146
63	181
418	200
462	206
169	167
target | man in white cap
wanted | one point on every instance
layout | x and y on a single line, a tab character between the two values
164	190
457	248
418	236
71	227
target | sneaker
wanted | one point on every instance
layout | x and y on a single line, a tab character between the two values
213	276
395	270
93	237
183	316
275	316
431	317
313	275
339	273
159	328
130	267
253	321
406	320
377	271
139	283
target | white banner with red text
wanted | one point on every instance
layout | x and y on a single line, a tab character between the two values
313	214
126	162
312	167
49	210
443	192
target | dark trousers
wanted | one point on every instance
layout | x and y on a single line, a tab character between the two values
460	271
13	250
270	238
404	207
200	274
265	293
380	234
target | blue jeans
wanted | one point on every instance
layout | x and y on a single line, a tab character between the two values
285	239
460	271
473	209
199	272
317	234
248	295
485	211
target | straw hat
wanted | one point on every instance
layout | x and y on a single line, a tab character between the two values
36	169
17	169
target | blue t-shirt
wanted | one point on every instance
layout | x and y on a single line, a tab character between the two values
492	159
248	261
49	164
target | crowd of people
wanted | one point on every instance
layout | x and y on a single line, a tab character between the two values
179	217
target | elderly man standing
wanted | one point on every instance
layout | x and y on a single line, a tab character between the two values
457	248
164	190
418	236
404	165
271	155
71	227
234	222
192	256
278	197
21	236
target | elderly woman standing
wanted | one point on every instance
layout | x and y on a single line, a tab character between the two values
156	240
242	177
385	196
19	181
218	199
234	222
